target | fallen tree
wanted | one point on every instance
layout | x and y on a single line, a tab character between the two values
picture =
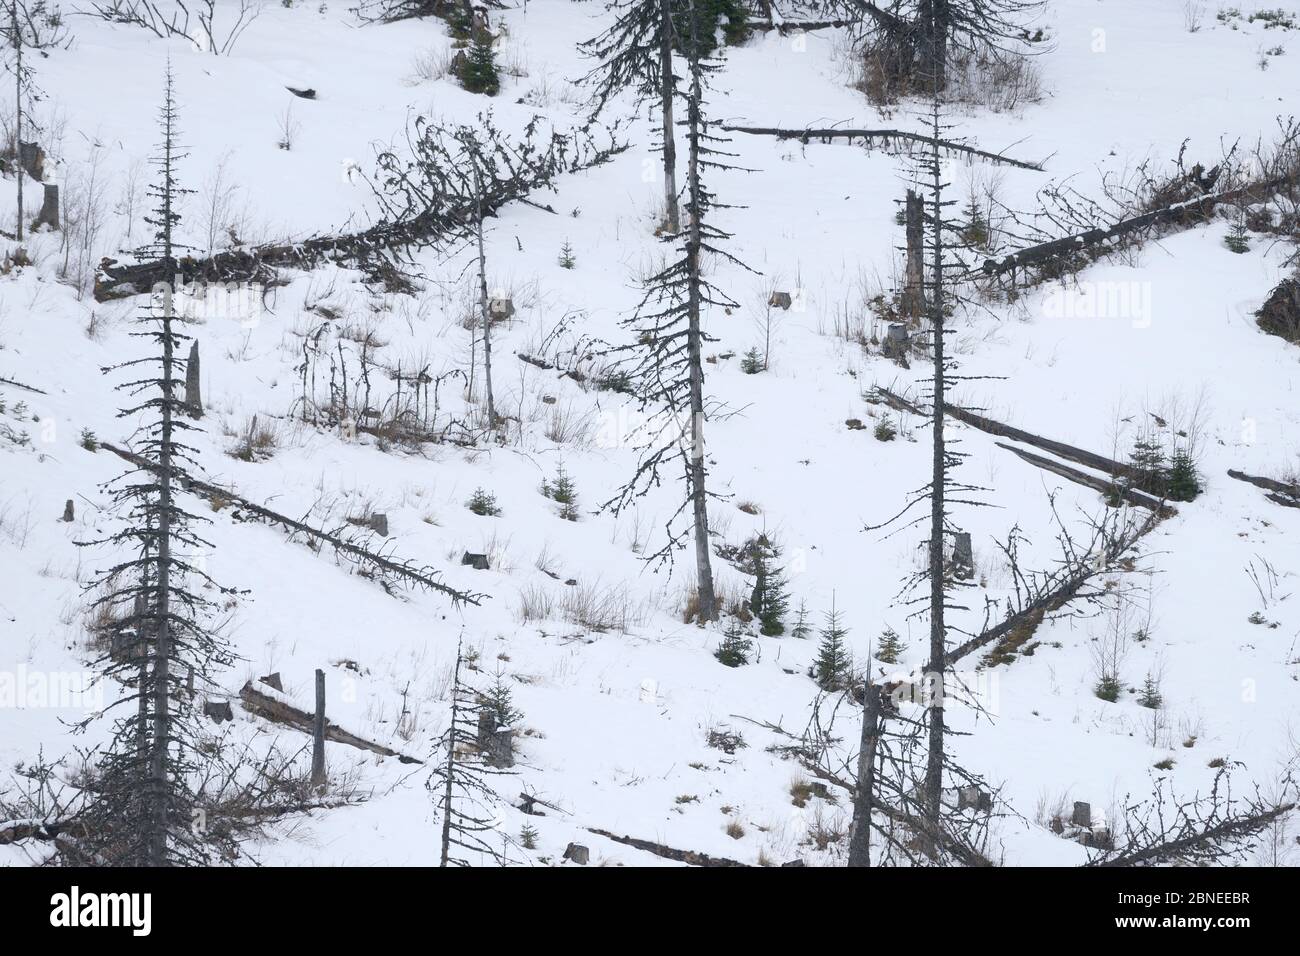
26	388
886	138
1280	492
1106	487
372	562
15	831
1038	595
1184	214
785	27
668	853
1214	830
1080	456
528	165
267	702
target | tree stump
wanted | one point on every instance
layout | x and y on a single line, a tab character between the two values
963	556
32	158
914	266
897	342
1082	815
578	853
378	523
272	680
67	510
479	562
193	394
496	743
218	710
49	214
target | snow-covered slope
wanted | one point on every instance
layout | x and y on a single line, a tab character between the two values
616	718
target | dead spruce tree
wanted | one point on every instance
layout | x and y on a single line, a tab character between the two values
145	812
1217	829
17	33
459	778
665	363
453	176
942	265
912	42
636	54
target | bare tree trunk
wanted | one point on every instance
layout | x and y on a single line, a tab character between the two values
161	675
914	264
864	795
193	388
485	315
18	114
672	218
318	735
939	46
451	763
925	43
699	500
934	764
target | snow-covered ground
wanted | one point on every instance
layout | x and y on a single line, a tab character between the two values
616	721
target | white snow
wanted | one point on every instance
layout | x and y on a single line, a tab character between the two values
615	722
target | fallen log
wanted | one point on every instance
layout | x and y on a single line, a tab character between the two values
1079	456
1185	213
1021	625
26	388
1217	833
667	852
267	702
825	135
14	831
116	280
1282	493
418	577
1104	486
784	27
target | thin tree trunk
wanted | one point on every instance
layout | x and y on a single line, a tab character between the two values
484	304
864	795
934	764
318	734
672	218
451	762
18	115
699	501
157	855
